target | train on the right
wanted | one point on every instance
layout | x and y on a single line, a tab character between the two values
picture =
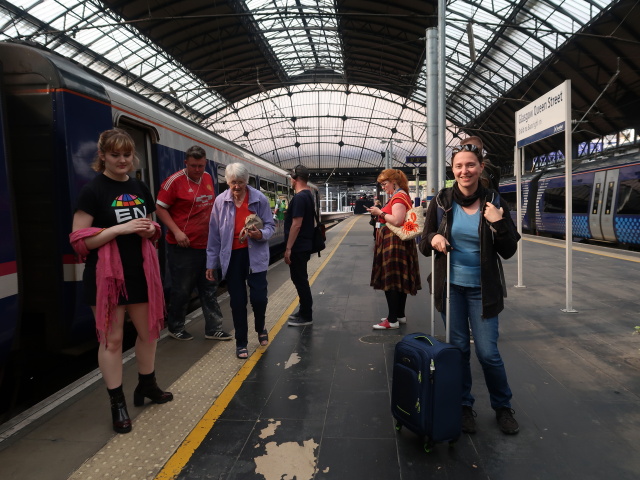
606	199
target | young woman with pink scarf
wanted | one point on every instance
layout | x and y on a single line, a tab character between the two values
113	231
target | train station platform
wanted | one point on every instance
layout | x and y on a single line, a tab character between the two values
315	403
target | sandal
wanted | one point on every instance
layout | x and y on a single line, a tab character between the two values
264	338
242	353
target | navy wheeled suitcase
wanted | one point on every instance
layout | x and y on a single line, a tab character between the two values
426	391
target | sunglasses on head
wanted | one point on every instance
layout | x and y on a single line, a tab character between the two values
469	147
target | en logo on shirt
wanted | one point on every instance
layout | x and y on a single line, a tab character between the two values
127	207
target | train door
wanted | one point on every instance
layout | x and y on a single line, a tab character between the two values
605	189
143	138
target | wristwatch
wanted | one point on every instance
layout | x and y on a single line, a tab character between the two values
382	214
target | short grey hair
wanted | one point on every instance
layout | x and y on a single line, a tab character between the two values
236	171
196	152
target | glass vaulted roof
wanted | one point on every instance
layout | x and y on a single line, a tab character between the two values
323	124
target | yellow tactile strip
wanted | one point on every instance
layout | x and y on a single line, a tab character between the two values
161	429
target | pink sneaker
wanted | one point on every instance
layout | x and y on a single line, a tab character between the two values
385	325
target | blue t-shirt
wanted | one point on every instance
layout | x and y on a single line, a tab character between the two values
465	240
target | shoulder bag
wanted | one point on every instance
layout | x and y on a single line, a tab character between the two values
413	223
319	236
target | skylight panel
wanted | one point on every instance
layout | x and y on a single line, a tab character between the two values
47	11
301	38
100	31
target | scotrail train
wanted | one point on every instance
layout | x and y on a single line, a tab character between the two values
54	111
606	199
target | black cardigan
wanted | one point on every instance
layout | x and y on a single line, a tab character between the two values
500	238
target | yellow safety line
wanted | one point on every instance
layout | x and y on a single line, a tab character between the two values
585	250
179	459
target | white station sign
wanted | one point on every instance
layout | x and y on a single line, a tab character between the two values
543	117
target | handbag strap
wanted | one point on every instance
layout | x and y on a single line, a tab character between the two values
403	197
315	210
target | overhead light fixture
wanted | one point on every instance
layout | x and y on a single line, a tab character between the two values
472	45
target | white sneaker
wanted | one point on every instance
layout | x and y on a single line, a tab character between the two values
385	325
401	320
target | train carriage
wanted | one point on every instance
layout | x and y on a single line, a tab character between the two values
56	111
8	251
606	199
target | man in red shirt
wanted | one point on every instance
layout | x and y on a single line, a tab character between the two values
184	206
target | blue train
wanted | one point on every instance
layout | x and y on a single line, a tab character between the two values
606	199
54	112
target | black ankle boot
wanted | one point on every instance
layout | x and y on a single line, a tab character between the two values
119	414
147	387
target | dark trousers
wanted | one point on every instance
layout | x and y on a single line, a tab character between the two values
300	279
396	302
238	278
187	267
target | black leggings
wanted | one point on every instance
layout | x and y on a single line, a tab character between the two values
395	301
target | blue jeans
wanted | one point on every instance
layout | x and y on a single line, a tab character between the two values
466	311
187	267
238	276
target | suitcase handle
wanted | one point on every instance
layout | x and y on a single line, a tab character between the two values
423	338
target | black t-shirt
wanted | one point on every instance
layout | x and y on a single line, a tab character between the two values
110	203
301	205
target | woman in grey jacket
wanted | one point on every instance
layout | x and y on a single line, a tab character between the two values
242	253
473	225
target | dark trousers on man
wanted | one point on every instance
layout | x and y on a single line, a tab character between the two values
300	279
187	267
238	277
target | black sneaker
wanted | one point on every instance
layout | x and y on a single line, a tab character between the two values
506	422
219	335
299	321
181	335
468	419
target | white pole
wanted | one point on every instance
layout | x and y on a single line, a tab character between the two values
442	104
326	197
518	161
433	160
568	201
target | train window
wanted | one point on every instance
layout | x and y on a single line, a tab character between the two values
510	198
607	210
282	190
596	199
252	182
553	200
581	195
222	182
269	190
629	197
141	139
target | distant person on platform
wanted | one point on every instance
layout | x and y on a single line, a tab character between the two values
184	206
298	234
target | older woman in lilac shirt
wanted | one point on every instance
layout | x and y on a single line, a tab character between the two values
241	253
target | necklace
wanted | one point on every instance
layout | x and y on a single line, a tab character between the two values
195	196
189	179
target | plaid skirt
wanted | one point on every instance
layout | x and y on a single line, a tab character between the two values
395	264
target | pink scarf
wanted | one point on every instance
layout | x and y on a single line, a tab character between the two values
110	281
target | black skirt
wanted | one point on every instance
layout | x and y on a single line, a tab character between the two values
134	280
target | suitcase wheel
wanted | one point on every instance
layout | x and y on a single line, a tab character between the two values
398	426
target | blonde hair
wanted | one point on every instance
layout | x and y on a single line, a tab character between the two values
115	140
396	176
